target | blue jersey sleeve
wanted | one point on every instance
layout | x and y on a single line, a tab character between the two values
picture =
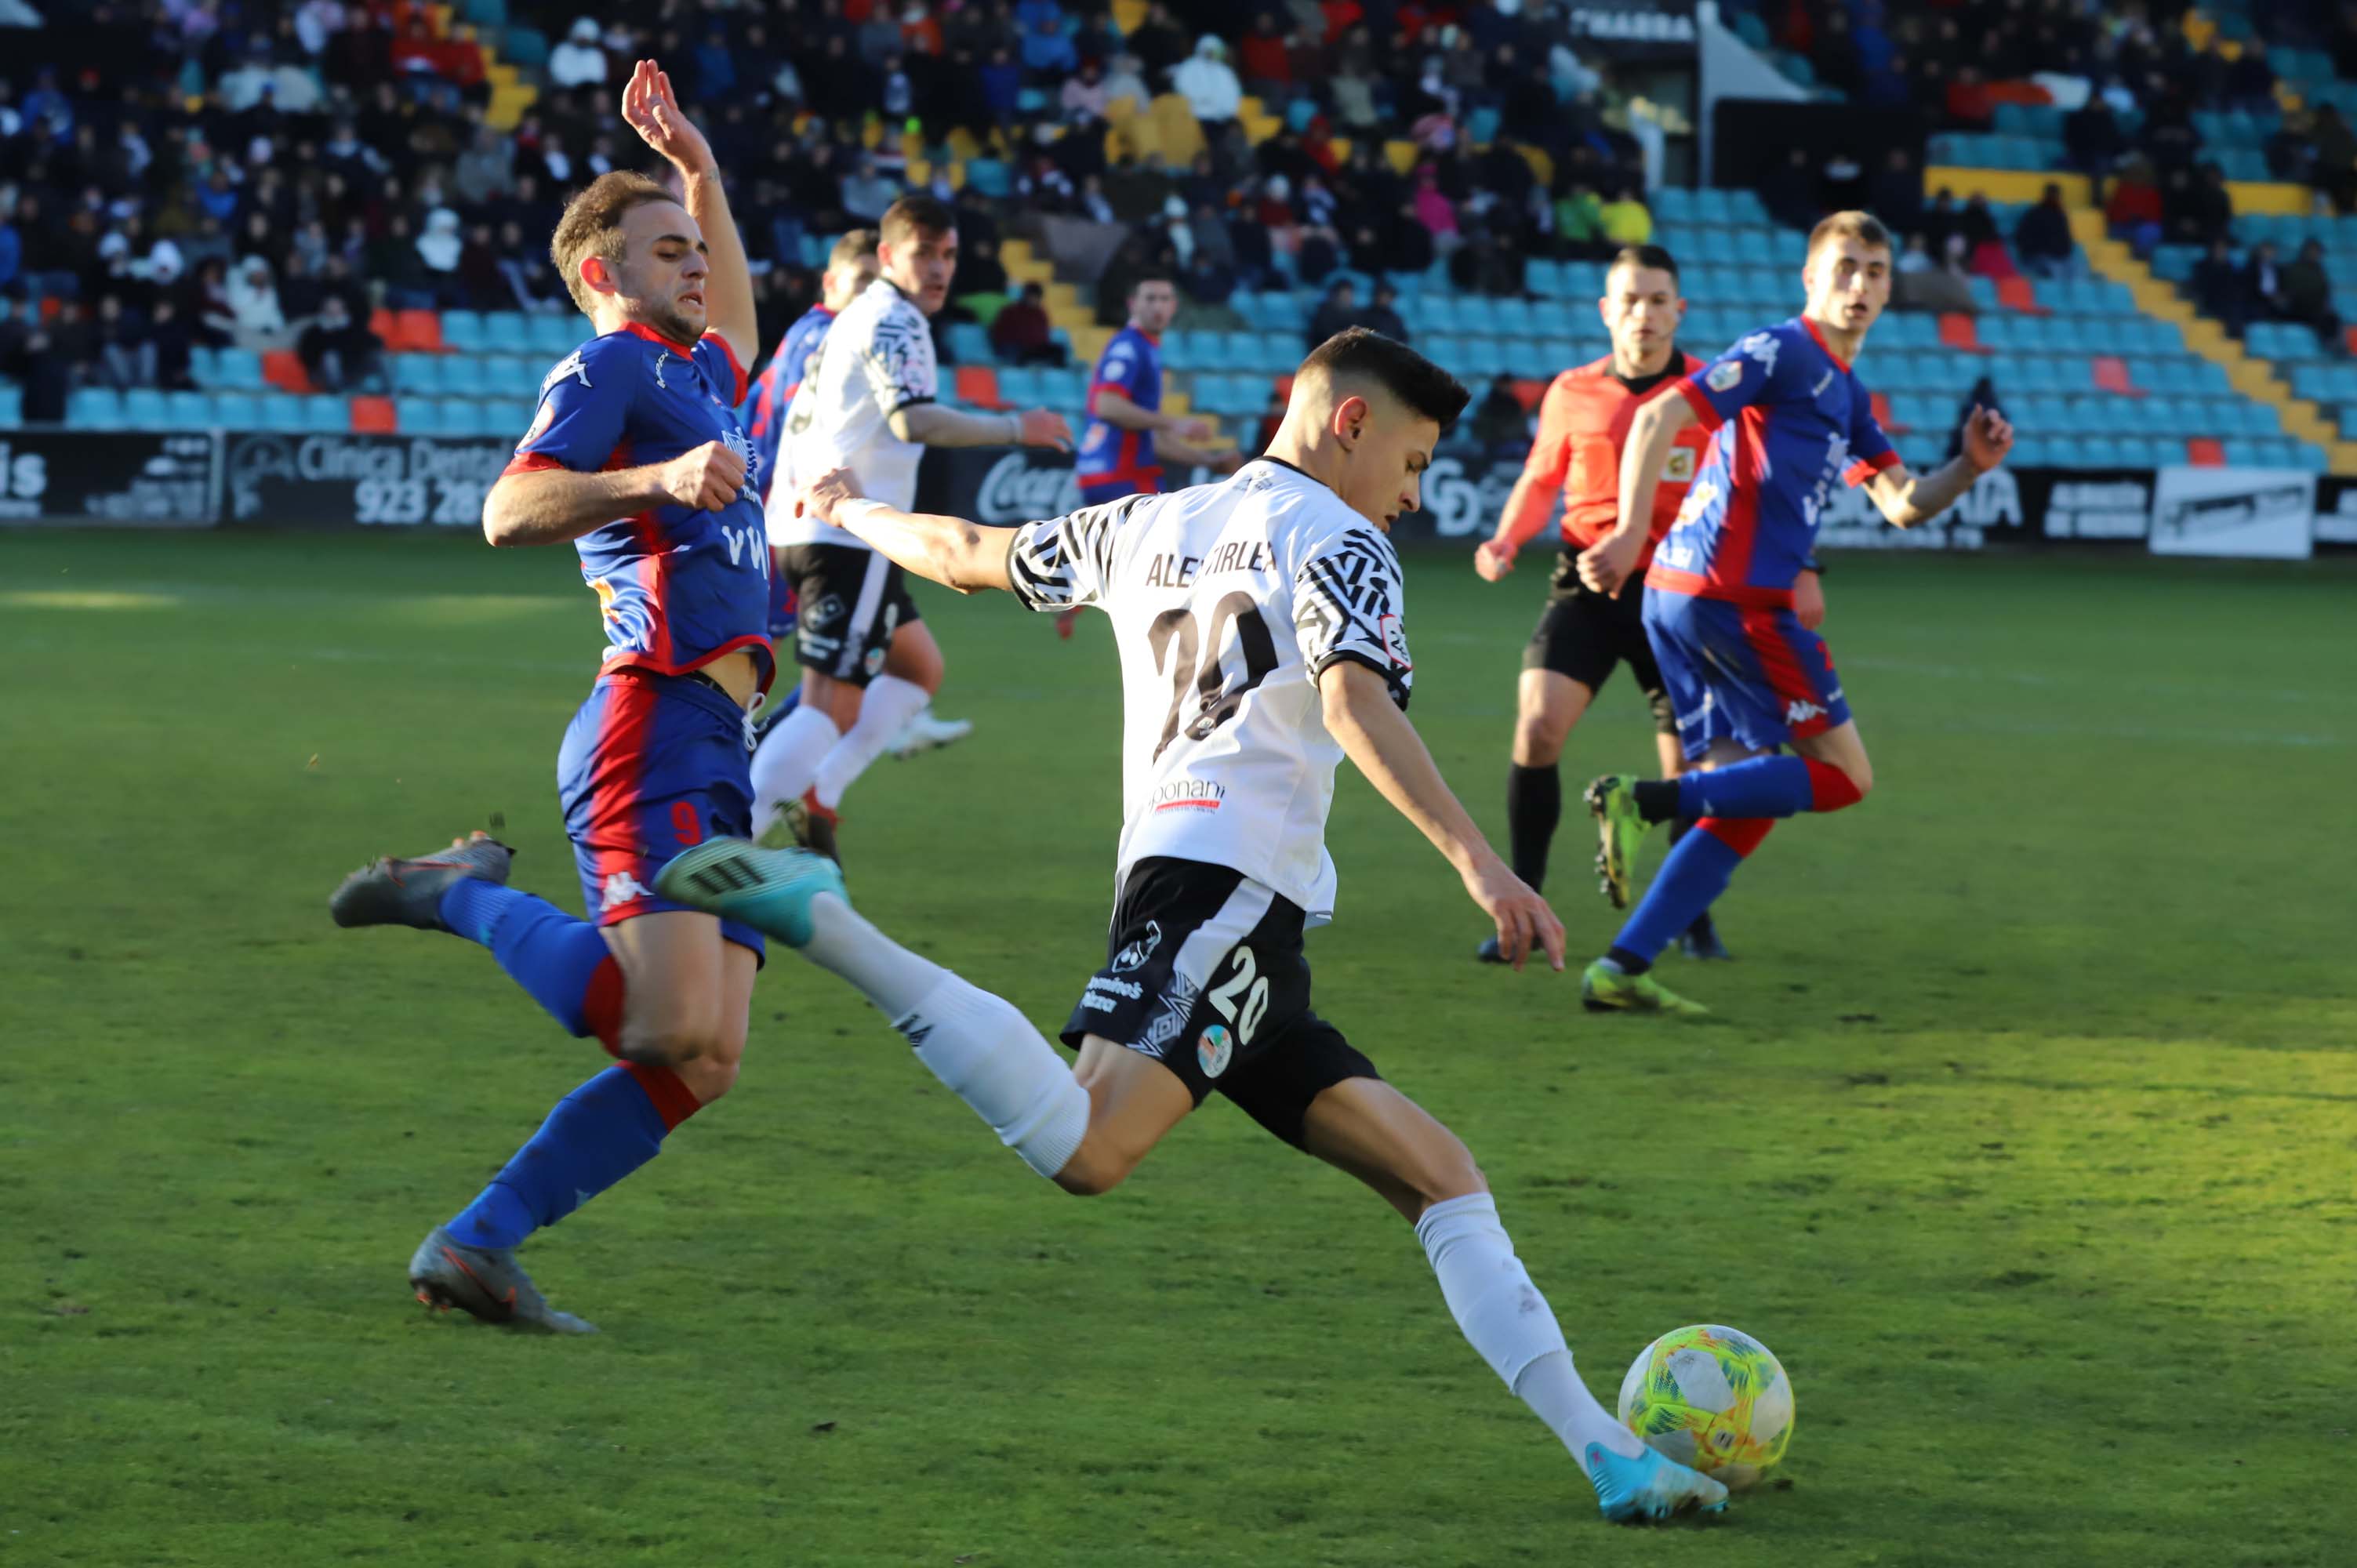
1870	448
1123	369
1757	369
583	403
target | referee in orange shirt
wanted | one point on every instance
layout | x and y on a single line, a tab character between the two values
1583	635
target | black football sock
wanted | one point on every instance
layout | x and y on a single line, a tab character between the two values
1534	806
1657	799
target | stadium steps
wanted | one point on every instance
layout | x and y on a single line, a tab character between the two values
2252	377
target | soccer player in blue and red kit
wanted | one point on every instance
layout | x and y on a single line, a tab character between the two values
1789	418
1129	439
636	458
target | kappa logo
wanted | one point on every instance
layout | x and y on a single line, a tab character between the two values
622	888
1723	375
570	365
1134	954
1760	345
1800	711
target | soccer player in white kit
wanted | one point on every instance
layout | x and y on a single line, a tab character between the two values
868	403
1259	623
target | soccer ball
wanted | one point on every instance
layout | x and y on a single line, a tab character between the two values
1711	1398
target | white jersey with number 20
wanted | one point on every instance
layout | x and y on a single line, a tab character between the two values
1228	601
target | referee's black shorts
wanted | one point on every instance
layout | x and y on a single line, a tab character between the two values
1586	635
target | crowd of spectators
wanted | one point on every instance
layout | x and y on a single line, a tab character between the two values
175	173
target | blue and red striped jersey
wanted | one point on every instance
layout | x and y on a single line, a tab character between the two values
774	388
1789	417
1132	366
678	587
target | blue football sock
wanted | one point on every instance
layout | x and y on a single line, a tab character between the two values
1689	882
559	960
1762	786
596	1135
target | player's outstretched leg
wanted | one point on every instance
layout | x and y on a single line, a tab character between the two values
928	731
606	1128
1370	1129
980	1046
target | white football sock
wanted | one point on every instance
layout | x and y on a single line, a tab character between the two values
1505	1318
884	712
979	1046
788	762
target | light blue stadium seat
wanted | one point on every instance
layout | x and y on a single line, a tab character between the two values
2240	452
2142	452
465	375
1720	247
95	408
1747	210
989	177
1515	318
236	411
279	411
204	364
2100	452
2308	455
526	48
556	333
2030	452
1477	314
1022	386
325	414
417	416
1711	207
1674	204
462	331
144	408
238	370
506	332
416	375
1486	357
1241	350
970	343
188	410
1544	277
2036	373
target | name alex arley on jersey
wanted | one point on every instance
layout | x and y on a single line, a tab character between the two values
1227	603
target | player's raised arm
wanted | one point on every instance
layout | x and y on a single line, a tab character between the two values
652	111
950	551
936	425
1907	498
1363	717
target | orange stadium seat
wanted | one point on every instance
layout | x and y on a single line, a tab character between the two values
978	385
1890	424
1958	330
283	370
2205	452
2112	376
373	416
2017	293
419	332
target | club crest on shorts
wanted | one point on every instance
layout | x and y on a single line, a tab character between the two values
1212	1050
1135	953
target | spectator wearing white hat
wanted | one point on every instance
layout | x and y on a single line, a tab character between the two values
579	60
1209	84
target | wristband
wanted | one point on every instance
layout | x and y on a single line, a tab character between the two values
1015	427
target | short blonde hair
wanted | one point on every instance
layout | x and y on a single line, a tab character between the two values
592	226
1863	227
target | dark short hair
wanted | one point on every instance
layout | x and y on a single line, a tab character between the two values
1646	256
1153	275
1356	354
592	225
916	214
857	245
1863	227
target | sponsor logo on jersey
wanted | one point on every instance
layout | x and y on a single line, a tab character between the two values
1135	953
1723	375
659	370
622	888
1395	642
873	661
570	365
1188	795
1212	1050
828	610
1799	712
1128	988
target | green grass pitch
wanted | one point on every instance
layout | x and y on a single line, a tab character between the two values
2024	1134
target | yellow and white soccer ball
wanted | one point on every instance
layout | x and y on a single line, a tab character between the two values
1711	1398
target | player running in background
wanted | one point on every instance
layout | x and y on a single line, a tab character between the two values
1128	438
1790	418
868	403
1582	635
1258	624
850	268
636	458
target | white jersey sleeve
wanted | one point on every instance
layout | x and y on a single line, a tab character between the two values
1347	604
875	361
897	361
1064	563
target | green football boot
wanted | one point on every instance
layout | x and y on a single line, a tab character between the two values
768	889
1621	829
1604	988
